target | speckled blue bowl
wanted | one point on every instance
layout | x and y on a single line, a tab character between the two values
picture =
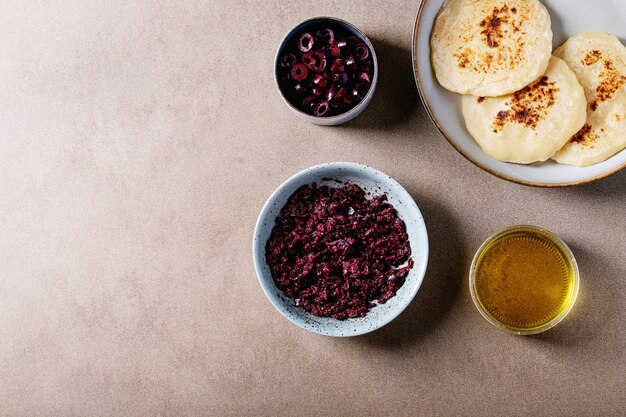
369	179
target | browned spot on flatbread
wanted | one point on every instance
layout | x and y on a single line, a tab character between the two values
528	106
584	136
480	99
592	57
486	63
463	59
492	26
610	79
497	28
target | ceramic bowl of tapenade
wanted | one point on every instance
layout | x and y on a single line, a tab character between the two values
340	249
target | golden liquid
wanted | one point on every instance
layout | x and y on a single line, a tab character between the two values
524	280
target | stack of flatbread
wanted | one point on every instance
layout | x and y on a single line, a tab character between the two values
521	102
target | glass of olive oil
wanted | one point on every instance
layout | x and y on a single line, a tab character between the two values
524	280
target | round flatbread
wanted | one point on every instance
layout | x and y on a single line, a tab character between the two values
599	62
490	47
531	124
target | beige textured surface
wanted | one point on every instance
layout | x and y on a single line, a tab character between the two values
139	141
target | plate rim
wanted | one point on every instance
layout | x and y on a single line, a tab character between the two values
433	118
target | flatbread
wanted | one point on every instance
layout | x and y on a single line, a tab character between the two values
490	47
599	62
531	124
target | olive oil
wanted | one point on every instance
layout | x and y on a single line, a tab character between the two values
524	279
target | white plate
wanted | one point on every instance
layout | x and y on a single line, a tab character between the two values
370	180
444	107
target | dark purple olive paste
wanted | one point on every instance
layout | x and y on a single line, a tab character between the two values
338	253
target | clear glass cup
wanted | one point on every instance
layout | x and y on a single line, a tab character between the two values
549	239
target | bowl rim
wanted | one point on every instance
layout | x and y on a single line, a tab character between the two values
356	109
442	131
419	268
557	241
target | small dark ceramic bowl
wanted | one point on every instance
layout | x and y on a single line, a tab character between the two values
312	25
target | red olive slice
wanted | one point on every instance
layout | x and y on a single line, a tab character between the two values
321	108
299	72
319	80
361	51
305	44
